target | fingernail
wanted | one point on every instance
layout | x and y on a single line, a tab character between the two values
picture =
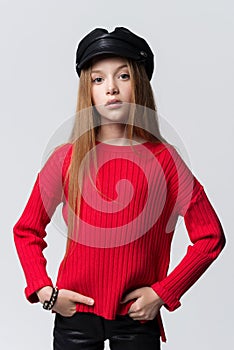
91	301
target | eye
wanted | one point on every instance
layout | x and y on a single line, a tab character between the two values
97	80
124	76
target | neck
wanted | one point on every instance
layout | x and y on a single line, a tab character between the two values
115	131
116	134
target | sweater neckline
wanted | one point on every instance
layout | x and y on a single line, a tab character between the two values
122	148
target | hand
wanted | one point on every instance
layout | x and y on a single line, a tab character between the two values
146	306
66	301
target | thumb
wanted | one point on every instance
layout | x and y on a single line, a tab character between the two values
129	296
80	298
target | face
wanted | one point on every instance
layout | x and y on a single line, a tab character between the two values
111	89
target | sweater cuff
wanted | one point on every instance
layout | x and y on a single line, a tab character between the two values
30	290
171	302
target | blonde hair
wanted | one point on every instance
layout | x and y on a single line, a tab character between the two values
85	131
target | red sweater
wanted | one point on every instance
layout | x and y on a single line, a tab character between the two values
125	232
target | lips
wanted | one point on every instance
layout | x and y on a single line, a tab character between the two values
113	102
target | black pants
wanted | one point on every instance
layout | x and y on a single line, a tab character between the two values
88	331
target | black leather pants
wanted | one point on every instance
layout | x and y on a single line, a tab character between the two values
88	331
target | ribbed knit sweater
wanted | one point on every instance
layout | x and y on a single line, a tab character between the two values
127	221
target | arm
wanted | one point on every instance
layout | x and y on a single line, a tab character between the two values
205	232
29	231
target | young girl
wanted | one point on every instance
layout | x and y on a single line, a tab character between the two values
123	187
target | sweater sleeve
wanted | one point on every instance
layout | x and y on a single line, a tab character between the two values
29	231
205	232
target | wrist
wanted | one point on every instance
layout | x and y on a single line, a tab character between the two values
44	293
48	304
158	298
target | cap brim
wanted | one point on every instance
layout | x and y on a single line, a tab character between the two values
111	50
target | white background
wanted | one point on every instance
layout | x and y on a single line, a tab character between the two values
193	86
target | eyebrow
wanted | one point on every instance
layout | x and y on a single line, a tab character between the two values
99	70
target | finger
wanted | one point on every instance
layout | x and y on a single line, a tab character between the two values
135	317
80	298
67	314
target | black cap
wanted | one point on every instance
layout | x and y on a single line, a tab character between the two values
121	42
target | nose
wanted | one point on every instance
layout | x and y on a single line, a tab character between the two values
112	88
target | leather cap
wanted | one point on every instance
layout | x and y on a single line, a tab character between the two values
121	42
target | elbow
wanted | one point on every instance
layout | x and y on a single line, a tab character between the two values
222	240
220	243
215	244
15	230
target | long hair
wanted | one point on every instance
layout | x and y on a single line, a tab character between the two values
85	131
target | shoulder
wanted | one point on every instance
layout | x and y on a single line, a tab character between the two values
173	162
61	151
167	151
57	158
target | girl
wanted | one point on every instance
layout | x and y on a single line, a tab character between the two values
121	202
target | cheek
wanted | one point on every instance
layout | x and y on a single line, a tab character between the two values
93	95
128	93
96	95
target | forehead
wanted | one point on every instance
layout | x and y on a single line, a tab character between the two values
107	60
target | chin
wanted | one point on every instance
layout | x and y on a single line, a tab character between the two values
114	115
114	119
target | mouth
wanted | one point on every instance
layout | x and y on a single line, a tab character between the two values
113	103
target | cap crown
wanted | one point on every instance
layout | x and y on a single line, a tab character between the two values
120	42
